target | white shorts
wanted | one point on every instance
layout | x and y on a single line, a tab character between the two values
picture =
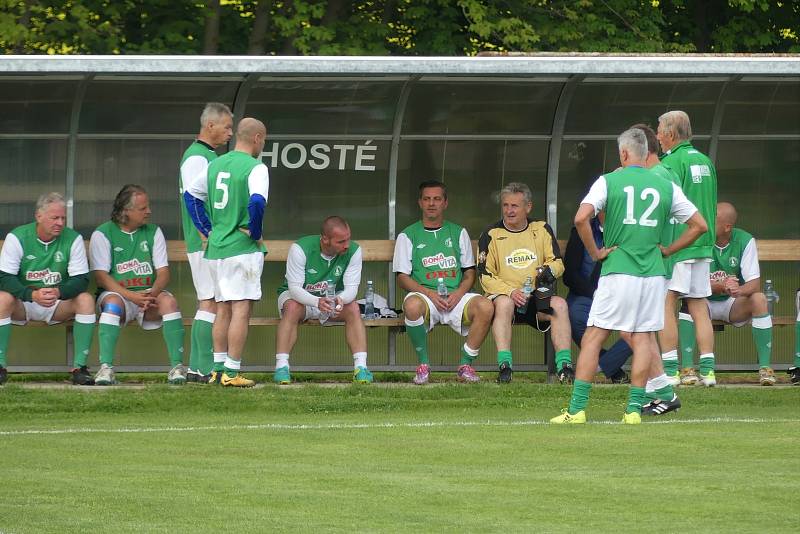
201	275
455	318
720	310
312	312
132	311
37	312
238	277
628	303
691	278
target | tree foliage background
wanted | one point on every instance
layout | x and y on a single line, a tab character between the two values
396	27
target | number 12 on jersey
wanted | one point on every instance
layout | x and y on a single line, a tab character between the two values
644	220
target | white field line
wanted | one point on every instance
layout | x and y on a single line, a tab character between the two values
359	426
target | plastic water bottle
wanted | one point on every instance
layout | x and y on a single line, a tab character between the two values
330	296
441	288
369	301
772	296
527	289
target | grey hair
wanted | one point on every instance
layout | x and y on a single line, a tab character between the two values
635	142
516	187
677	123
214	110
44	201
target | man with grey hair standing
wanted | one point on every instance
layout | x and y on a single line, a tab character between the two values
514	254
43	277
216	129
690	281
630	293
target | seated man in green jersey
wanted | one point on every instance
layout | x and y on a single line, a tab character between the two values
736	296
128	257
434	262
43	277
323	273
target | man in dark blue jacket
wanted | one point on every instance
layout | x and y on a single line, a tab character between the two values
581	275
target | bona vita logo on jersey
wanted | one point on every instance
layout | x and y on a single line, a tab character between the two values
134	266
521	258
318	288
440	260
47	277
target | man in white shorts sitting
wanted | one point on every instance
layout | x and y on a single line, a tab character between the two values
630	293
128	257
43	277
736	295
426	252
315	265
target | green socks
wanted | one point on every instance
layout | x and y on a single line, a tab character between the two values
563	357
665	394
201	357
504	356
580	396
83	332
468	355
107	335
762	337
219	361
172	329
706	363
418	335
670	362
635	400
686	340
5	334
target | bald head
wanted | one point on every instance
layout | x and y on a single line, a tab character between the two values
250	136
333	222
726	220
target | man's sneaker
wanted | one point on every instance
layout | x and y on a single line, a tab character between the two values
688	377
105	376
674	380
620	377
661	407
793	372
423	374
196	377
362	375
766	376
566	375
708	380
238	381
632	418
82	377
506	374
215	378
177	375
467	374
566	419
3	375
282	376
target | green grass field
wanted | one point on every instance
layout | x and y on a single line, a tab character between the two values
389	457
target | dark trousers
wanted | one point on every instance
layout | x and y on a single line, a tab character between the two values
612	359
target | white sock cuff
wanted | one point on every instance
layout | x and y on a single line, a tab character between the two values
220	357
5	321
203	315
648	387
415	322
671	355
85	318
685	317
762	322
472	352
232	364
360	359
708	355
660	381
109	318
171	316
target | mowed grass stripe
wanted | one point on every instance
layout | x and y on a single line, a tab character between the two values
380	425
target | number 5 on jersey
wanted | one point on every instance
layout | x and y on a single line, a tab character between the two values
222	186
